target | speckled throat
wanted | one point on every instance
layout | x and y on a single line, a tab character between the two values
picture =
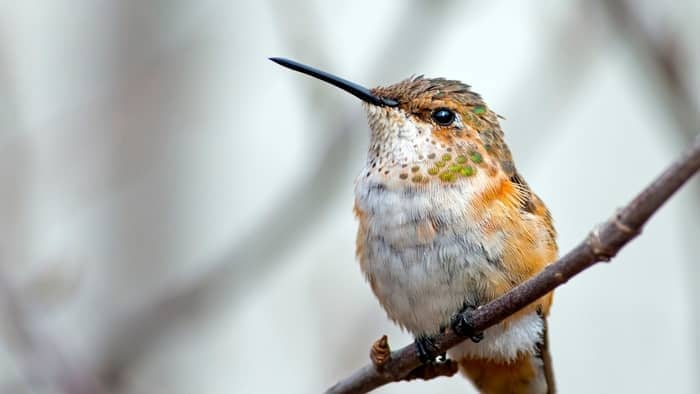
406	152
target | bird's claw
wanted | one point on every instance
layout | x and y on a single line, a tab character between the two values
427	351
461	325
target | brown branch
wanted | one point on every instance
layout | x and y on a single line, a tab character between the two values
602	244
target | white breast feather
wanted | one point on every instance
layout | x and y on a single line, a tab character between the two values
505	344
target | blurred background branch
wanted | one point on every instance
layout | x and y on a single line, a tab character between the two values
664	54
43	364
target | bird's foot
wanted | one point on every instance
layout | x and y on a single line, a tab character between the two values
462	325
427	351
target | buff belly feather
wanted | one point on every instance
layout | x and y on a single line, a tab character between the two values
426	256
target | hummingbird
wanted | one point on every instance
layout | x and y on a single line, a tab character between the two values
447	223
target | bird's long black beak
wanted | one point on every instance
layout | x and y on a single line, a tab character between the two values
356	90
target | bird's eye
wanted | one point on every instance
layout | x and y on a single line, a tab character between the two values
443	116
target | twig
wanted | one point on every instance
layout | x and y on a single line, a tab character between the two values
602	244
666	56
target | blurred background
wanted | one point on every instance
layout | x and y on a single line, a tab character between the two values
175	209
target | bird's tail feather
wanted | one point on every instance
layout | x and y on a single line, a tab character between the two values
528	374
